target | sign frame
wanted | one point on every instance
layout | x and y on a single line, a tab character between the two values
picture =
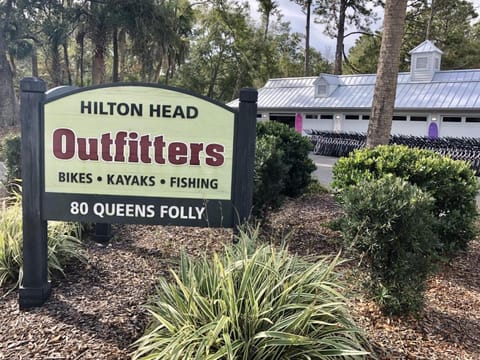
35	288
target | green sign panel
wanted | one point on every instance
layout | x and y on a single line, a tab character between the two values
138	154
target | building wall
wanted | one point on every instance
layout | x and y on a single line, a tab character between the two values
322	122
416	124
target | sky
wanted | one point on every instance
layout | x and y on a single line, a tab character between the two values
318	40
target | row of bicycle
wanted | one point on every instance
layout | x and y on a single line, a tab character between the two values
338	144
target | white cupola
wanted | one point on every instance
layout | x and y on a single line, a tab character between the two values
425	61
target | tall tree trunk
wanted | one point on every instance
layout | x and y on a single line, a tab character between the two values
340	37
80	39
308	5
158	69
98	62
214	75
8	101
34	60
122	49
430	20
383	104
55	66
115	55
66	62
267	24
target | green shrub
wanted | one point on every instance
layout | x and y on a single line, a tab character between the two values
391	224
269	175
64	245
452	184
250	304
295	149
282	166
11	155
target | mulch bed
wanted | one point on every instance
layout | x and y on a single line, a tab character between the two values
96	311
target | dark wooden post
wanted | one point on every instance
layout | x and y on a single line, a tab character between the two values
35	287
103	232
245	155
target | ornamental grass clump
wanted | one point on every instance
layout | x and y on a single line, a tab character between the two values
250	303
64	245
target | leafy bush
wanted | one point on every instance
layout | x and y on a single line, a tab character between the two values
282	165
451	183
11	154
269	175
391	223
295	155
250	304
64	245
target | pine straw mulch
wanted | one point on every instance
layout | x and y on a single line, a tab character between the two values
96	312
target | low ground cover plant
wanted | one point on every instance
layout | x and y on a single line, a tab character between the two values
250	303
64	245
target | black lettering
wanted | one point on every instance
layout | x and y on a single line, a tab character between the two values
85	106
102	111
155	110
123	109
111	106
119	181
178	112
136	109
192	112
74	177
166	109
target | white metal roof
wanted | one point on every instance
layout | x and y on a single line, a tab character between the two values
449	90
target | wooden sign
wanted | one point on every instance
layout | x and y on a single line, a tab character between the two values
130	153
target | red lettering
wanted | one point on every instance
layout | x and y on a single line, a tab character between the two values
158	145
66	145
195	150
177	153
82	149
120	143
106	142
133	148
63	144
214	154
145	144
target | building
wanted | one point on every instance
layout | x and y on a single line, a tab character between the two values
429	102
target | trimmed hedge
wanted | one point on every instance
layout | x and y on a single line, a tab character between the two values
391	224
451	183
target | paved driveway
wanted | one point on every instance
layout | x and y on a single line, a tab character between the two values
324	171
